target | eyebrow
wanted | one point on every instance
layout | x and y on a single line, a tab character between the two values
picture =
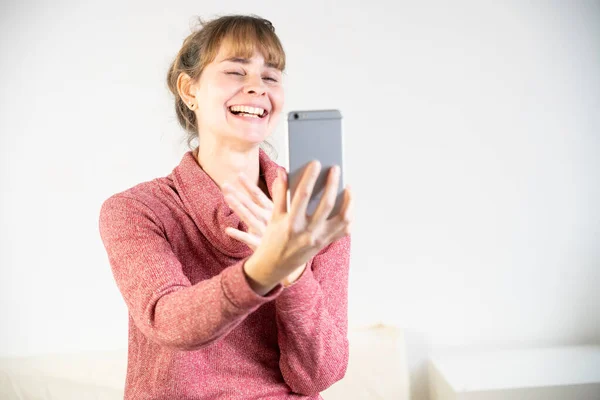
245	61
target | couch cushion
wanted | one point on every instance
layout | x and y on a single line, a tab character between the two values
377	367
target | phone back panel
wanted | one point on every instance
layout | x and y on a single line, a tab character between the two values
315	135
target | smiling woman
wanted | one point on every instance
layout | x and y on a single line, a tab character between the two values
233	42
231	295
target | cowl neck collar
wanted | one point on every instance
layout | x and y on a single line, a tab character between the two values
204	201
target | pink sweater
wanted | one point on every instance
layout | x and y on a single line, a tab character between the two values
196	328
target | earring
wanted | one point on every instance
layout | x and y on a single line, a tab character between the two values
192	106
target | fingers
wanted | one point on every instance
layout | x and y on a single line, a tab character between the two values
251	240
303	193
280	193
341	223
340	234
327	200
261	214
257	195
244	213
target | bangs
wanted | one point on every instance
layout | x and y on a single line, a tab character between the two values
245	36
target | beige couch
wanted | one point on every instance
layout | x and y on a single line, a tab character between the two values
377	369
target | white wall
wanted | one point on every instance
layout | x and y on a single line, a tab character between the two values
472	134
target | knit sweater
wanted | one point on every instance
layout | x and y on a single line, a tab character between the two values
197	330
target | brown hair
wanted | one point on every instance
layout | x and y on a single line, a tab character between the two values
243	33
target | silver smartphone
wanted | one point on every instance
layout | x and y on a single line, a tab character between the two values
315	135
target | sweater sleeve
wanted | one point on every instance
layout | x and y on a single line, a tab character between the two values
312	321
162	302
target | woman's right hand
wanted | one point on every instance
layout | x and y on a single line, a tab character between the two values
292	238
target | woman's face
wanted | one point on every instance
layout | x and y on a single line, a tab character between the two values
239	99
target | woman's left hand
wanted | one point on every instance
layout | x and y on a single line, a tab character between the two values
255	209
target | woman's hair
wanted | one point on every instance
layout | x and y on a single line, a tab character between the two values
243	33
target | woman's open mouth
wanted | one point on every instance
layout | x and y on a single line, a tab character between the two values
247	111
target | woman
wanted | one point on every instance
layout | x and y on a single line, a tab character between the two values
231	293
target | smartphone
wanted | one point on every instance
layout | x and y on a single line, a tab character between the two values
315	135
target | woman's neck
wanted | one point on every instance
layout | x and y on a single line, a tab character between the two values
224	165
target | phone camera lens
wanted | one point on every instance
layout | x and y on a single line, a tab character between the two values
296	116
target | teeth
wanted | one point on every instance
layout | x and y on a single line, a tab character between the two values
248	110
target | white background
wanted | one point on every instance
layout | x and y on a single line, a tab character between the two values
472	146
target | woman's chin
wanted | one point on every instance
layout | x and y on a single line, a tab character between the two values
251	135
251	138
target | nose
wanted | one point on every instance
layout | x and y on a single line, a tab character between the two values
255	85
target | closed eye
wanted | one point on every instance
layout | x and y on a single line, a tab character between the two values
266	78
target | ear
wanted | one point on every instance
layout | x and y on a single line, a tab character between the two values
186	88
